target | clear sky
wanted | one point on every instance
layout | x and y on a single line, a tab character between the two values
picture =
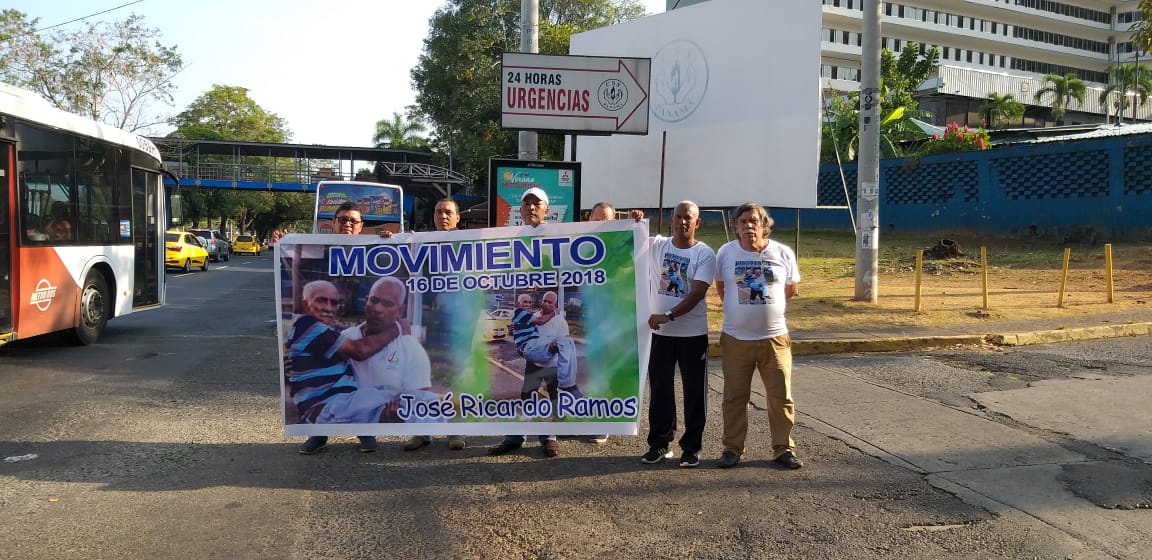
331	69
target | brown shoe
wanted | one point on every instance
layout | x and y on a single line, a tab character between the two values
456	443
415	442
551	448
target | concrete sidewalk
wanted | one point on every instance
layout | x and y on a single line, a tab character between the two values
879	338
1011	455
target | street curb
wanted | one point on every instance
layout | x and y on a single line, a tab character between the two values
897	344
1068	335
847	346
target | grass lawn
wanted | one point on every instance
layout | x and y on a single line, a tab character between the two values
1023	280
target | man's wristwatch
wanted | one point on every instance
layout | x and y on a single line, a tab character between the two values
668	314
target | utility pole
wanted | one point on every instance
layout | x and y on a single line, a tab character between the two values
529	43
868	164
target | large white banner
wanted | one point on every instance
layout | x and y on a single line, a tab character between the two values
736	85
514	330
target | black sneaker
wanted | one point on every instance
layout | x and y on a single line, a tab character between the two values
789	460
728	459
503	447
689	460
313	445
655	455
367	444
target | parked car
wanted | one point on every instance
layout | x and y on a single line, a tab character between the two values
504	314
246	244
184	250
218	247
492	328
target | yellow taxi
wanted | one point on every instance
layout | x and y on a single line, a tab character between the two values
246	244
492	327
184	250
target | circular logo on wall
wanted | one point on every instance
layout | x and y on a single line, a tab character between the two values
612	95
679	80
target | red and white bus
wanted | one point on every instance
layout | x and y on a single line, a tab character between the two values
82	216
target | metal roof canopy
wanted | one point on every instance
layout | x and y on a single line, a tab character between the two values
297	151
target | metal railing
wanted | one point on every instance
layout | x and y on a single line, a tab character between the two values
264	173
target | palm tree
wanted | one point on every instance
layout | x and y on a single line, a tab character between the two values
1063	89
1125	79
1001	108
399	133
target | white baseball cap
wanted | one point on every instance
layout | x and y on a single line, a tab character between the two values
537	192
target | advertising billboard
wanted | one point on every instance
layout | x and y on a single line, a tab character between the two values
509	178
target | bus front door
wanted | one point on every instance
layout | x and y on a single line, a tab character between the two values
7	181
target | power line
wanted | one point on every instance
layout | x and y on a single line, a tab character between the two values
77	19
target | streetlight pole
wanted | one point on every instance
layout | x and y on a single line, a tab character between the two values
868	164
529	43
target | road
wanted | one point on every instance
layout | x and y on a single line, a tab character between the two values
165	441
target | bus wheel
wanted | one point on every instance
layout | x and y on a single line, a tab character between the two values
94	309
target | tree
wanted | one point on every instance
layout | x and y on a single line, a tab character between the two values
1124	79
457	78
1063	90
1001	109
400	133
1143	28
227	113
840	133
901	76
108	71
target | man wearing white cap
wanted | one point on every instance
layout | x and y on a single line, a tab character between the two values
533	210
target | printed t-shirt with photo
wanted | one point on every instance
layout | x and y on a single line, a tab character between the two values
674	271
754	288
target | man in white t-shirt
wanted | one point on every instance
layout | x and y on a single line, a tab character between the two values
402	367
754	334
679	324
533	211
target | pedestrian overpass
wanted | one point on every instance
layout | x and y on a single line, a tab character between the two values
217	164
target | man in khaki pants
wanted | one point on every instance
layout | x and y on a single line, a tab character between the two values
754	334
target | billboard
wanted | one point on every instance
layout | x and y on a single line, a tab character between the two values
736	86
509	178
470	332
381	205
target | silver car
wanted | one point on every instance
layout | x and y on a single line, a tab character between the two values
218	247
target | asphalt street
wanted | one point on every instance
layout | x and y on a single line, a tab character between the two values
165	441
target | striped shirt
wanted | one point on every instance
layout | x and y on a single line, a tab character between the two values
522	328
319	373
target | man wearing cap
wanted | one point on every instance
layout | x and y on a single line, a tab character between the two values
533	210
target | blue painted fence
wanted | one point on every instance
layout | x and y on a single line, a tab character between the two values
1049	188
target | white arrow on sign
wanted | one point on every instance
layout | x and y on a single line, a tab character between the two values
575	93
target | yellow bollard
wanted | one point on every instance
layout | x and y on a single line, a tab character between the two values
919	276
1108	271
1064	277
984	268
